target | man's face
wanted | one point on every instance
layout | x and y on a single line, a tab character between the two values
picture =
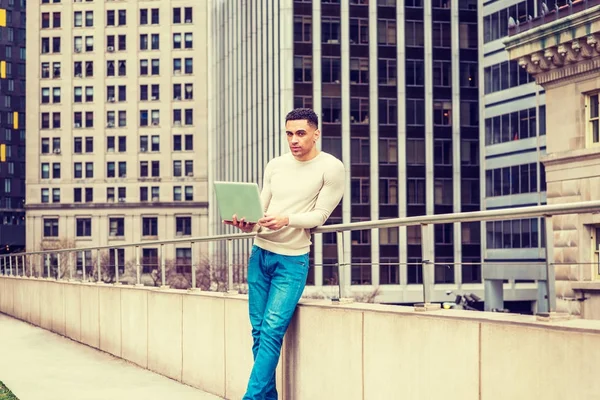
301	137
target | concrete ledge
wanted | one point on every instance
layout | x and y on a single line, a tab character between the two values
204	343
165	328
109	299
343	351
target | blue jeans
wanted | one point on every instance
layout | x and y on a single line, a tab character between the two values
275	284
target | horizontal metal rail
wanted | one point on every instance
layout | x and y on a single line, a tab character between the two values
476	216
424	221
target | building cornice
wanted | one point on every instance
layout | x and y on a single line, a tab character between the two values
572	156
559	49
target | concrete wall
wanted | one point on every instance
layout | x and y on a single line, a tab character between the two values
356	351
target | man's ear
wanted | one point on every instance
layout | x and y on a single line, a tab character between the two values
317	134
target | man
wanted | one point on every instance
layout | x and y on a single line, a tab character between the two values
300	190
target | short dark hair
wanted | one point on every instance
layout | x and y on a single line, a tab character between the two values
303	113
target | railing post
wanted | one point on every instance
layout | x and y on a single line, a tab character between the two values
230	267
550	277
98	265
10	265
137	266
341	267
23	263
193	267
70	266
57	266
163	267
116	266
83	266
427	262
16	265
47	265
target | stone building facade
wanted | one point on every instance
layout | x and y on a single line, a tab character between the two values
561	50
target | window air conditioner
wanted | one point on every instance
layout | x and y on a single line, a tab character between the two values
56	151
111	99
110	49
143	149
188	21
121	199
179	233
190	174
77	125
155	199
153	98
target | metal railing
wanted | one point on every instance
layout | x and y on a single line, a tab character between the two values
21	261
553	12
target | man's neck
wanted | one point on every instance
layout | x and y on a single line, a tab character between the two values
309	156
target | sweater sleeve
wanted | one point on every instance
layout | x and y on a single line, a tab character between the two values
265	194
328	198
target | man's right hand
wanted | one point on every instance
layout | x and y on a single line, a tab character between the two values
241	224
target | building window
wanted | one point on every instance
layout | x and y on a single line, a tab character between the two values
359	71
302	69
83	227
469	191
149	226
468	74
387	72
388	151
414	34
331	69
442	152
469	113
183	260
388	191
359	151
513	234
330	30
443	191
359	110
359	31
386	32
514	126
50	227
183	226
416	191
149	260
505	75
332	110
360	191
593	131
495	25
116	227
415	112
415	152
468	36
388	112
516	179
442	73
442	113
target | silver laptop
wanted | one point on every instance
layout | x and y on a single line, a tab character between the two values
238	198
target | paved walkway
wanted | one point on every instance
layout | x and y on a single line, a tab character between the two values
39	365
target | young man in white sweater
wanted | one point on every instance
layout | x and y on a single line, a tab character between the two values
300	190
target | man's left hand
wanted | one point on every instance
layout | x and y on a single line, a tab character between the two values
273	222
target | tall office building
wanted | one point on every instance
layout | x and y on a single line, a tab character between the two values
396	87
513	140
116	123
12	125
